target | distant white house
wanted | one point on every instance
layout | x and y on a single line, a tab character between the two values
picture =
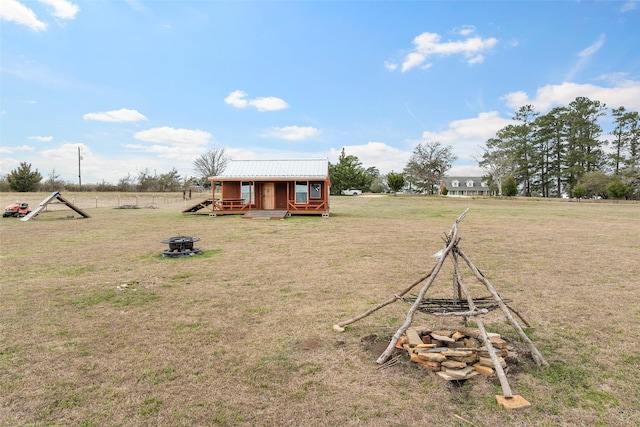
465	186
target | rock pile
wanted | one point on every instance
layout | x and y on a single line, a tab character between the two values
455	354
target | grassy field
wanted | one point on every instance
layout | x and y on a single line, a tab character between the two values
98	329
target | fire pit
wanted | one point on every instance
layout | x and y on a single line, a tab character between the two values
181	246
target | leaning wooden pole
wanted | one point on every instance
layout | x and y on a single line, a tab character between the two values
387	353
537	356
340	326
502	377
452	240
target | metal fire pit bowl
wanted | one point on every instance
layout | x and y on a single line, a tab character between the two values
181	246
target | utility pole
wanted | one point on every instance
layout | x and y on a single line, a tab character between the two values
79	175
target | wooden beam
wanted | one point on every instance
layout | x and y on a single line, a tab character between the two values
502	377
537	356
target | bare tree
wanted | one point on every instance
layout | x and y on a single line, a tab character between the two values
211	163
53	180
428	165
496	161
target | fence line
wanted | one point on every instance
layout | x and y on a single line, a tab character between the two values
109	200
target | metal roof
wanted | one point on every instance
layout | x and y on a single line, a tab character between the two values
302	168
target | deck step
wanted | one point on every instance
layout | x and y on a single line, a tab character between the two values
265	214
200	205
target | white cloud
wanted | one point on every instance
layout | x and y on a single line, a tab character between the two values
62	9
185	153
375	154
169	135
122	115
624	93
430	44
136	5
412	60
293	133
270	103
629	6
595	47
516	99
66	152
236	99
466	30
476	59
14	11
465	170
583	57
41	138
467	135
390	65
7	150
482	127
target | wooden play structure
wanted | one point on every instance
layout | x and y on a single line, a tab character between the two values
54	197
462	305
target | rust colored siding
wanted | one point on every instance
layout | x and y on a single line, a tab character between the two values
281	195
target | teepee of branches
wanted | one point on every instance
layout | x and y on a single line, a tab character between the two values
474	309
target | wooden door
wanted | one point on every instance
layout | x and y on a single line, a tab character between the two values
268	195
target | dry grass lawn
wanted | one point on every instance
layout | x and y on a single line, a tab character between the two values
242	335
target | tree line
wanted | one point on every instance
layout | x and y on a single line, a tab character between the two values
26	179
563	153
559	154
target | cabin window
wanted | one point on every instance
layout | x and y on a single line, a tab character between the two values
316	190
455	183
248	195
469	183
302	192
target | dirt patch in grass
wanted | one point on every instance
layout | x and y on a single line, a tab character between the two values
243	336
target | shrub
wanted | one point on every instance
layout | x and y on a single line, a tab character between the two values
579	191
510	187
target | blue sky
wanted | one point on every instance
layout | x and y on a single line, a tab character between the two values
151	85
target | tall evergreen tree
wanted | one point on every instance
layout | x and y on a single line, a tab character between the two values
348	173
584	150
625	144
523	147
395	181
551	135
23	179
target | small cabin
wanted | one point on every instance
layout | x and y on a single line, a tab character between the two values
272	188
